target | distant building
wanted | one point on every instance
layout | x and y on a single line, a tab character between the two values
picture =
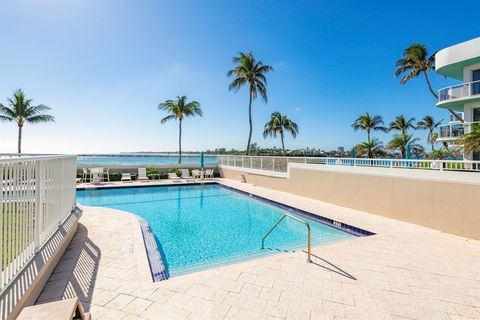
340	149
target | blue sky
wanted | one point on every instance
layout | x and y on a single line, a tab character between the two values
103	67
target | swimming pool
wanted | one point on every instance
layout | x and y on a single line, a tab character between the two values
205	225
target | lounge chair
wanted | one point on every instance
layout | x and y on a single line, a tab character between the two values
126	177
186	175
173	176
142	174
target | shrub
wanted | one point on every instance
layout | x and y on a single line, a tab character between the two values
176	171
115	176
152	171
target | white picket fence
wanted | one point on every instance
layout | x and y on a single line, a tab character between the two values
280	164
36	194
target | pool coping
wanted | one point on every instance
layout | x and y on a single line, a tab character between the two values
155	260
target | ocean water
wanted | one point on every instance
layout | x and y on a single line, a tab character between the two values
201	226
141	160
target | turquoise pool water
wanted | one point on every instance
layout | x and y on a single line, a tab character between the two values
201	226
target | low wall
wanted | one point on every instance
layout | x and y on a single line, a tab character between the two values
446	201
27	286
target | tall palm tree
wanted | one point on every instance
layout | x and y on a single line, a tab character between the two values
471	140
179	110
280	124
369	123
370	148
428	123
415	61
252	73
402	124
400	143
21	111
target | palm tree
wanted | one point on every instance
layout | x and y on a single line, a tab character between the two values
416	61
22	111
179	110
400	143
418	150
440	154
370	148
402	124
369	123
428	123
252	73
279	123
471	140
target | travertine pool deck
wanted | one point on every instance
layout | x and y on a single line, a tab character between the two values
403	272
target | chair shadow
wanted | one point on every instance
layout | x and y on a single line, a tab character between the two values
331	267
76	272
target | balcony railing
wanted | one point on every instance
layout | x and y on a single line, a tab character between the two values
455	130
451	131
464	90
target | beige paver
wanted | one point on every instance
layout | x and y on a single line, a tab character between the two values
403	272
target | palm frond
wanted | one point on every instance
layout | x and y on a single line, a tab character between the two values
41	118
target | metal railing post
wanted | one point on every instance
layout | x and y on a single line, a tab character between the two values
38	212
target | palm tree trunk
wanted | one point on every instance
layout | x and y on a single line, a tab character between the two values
250	122
180	141
430	137
283	144
368	135
455	115
429	86
19	139
436	97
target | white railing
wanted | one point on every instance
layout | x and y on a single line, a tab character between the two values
280	164
36	194
464	90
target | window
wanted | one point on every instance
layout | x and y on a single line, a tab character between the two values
476	114
476	81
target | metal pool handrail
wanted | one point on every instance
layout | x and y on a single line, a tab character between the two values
294	218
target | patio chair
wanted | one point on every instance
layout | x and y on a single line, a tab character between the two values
209	173
96	175
142	174
186	175
85	175
126	177
106	174
173	176
196	173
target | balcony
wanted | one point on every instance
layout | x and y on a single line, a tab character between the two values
455	96
452	131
